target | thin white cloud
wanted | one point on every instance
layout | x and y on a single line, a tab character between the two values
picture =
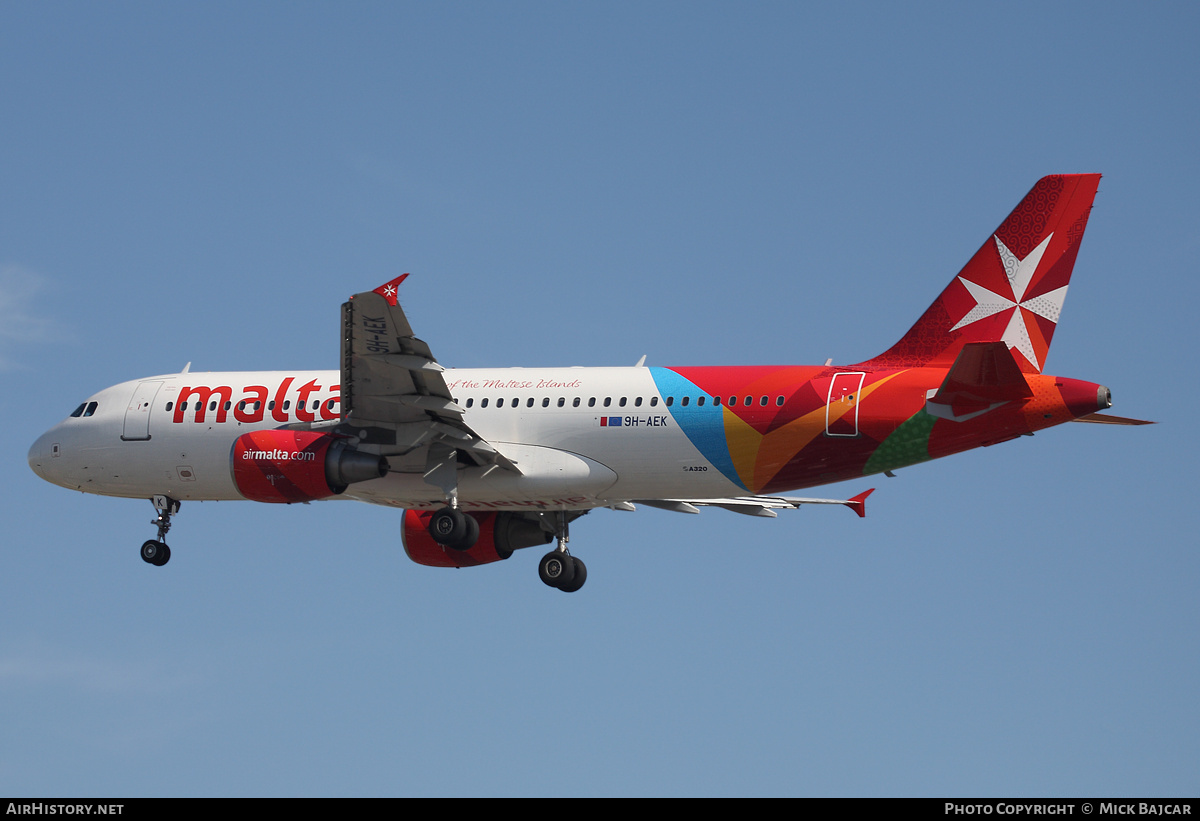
44	669
19	324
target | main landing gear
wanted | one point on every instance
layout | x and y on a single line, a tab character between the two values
454	529
559	568
155	551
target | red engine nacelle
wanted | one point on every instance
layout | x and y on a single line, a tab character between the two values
499	535
298	466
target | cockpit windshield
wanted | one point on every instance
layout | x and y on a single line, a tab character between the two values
86	409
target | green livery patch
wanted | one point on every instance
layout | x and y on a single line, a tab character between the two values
908	445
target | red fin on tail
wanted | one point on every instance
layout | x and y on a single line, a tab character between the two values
1013	289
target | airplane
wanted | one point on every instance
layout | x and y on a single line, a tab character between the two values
488	461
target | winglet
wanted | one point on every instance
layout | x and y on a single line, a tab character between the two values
859	503
389	290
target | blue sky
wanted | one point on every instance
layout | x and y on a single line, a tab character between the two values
575	184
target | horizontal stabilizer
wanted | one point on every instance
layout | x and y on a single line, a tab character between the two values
983	375
1108	419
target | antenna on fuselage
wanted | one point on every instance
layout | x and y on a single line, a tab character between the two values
186	368
641	363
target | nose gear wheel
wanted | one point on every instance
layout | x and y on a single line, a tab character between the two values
155	551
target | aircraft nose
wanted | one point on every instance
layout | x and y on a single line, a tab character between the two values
40	455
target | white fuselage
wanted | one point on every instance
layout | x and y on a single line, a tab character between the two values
580	437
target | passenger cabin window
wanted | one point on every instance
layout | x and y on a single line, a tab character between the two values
700	402
575	402
637	403
779	401
670	401
607	401
483	403
684	401
654	401
470	401
563	401
171	404
546	401
763	401
592	402
529	402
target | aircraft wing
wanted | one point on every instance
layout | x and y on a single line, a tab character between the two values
394	397
757	505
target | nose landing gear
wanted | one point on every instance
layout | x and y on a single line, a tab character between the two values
155	551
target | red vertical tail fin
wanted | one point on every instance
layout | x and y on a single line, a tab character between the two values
1013	289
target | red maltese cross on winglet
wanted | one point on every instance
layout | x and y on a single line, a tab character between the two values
388	291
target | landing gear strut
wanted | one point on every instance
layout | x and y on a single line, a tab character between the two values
559	568
449	527
155	551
